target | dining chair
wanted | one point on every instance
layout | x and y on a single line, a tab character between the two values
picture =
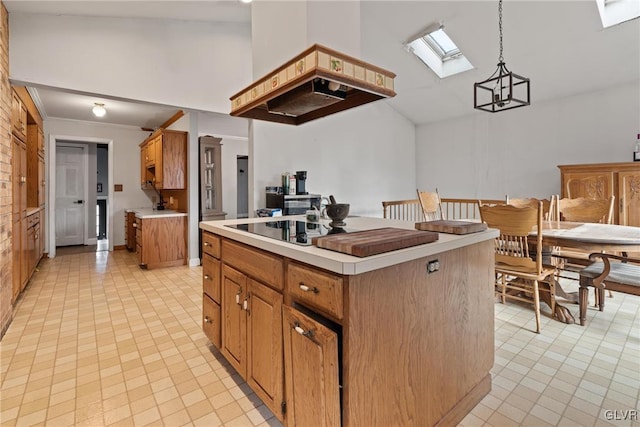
518	271
532	202
579	210
431	205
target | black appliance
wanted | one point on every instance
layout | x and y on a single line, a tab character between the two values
297	232
293	204
301	179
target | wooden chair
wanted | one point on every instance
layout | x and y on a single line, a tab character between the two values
517	271
580	210
615	273
532	202
431	205
405	210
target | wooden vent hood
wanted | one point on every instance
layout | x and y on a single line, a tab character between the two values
314	84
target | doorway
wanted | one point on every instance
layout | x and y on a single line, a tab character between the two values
71	197
93	215
242	186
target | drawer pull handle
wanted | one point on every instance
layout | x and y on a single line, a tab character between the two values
207	277
245	304
301	331
308	288
238	296
207	319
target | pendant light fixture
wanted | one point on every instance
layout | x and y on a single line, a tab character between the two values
98	109
504	90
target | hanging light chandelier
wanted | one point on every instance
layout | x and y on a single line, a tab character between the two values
504	90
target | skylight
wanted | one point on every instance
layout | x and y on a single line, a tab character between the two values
613	12
438	52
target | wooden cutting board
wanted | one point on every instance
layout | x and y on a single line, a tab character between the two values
372	242
452	227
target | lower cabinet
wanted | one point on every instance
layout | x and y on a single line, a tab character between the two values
130	231
252	335
311	371
161	242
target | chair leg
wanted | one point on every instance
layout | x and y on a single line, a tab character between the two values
600	299
503	283
536	305
583	301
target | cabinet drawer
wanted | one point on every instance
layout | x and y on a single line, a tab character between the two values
211	244
211	320
317	288
256	263
211	277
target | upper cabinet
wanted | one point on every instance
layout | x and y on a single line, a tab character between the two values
163	160
18	117
603	180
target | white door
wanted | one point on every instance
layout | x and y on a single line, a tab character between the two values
70	203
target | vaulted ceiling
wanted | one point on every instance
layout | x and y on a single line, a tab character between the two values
560	45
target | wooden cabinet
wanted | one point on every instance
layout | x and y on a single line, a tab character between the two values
252	335
130	231
164	160
211	288
351	347
35	166
311	371
18	116
161	241
19	176
19	214
603	180
251	302
16	250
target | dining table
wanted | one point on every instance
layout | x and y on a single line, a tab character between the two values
591	237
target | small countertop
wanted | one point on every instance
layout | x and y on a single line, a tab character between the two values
144	213
342	263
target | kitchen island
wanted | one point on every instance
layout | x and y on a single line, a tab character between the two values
159	237
326	338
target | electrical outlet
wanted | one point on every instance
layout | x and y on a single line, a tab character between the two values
433	266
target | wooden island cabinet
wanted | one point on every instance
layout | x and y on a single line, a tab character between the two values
325	338
159	238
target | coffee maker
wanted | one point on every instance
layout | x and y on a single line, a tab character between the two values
301	178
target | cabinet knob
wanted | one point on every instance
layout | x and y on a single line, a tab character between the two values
207	277
207	319
238	296
134	225
306	288
206	243
299	329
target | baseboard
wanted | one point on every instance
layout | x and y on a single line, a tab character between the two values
194	262
119	247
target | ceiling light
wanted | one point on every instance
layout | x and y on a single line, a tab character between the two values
245	1
504	90
98	109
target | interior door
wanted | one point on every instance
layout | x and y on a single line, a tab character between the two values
70	203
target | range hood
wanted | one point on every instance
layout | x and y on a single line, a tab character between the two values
314	84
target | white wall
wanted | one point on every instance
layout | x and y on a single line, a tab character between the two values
517	152
187	64
362	156
126	164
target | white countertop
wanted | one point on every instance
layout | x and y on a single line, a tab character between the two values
153	213
342	263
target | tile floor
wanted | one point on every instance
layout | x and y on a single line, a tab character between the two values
96	341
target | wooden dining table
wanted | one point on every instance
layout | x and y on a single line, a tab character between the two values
588	237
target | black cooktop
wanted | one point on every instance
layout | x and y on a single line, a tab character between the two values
298	232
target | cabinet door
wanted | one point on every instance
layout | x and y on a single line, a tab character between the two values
18	152
629	193
42	183
158	159
311	371
234	319
16	249
211	277
264	345
211	320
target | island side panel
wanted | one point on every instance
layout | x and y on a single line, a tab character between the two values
415	344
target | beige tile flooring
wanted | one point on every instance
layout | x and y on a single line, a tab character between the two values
96	341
